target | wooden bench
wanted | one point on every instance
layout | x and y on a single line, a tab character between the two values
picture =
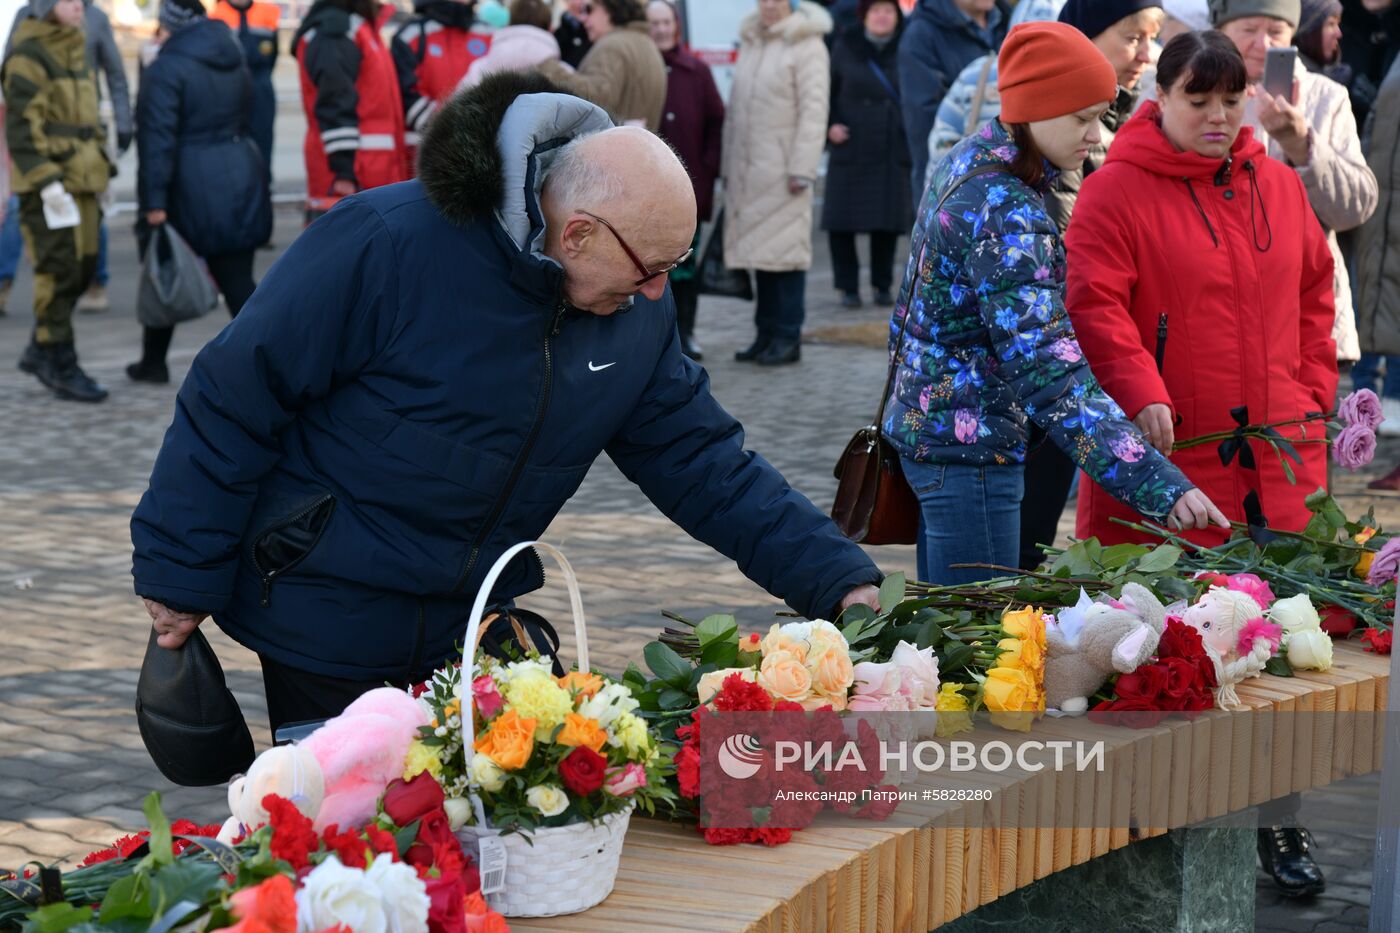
850	875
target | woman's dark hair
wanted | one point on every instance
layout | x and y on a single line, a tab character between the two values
1208	58
1029	164
622	12
531	13
1310	46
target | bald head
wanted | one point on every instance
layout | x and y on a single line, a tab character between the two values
629	177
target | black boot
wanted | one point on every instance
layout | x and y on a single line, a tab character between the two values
31	359
61	373
753	350
690	348
780	352
687	300
1284	854
155	373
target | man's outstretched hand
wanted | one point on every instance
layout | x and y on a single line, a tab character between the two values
867	595
173	627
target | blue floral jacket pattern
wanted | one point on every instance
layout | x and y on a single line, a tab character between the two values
990	344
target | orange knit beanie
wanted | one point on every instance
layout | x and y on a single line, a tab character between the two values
1047	70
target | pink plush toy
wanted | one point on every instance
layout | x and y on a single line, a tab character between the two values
361	751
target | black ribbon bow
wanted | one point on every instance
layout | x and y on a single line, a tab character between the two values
1257	521
1237	444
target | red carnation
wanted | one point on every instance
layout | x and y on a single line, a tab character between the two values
381	841
348	846
737	695
293	836
688	771
583	770
1376	640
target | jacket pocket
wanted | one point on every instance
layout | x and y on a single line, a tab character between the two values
924	477
283	545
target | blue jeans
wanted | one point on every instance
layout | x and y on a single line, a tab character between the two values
1366	372
781	305
12	245
967	515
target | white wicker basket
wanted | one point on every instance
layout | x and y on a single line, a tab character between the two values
557	870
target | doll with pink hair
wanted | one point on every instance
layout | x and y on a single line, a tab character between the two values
1240	641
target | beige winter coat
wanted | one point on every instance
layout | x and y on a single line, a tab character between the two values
774	130
1378	248
623	73
1341	187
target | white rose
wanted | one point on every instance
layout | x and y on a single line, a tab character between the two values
1310	650
459	809
609	703
406	901
548	799
919	672
486	774
335	894
1295	614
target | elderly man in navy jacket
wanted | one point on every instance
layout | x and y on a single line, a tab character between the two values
424	380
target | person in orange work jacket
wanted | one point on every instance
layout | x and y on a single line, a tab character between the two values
354	112
254	23
432	52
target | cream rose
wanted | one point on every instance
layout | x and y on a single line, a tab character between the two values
335	894
785	676
711	683
405	897
831	672
779	640
548	799
1310	650
1295	614
459	809
486	774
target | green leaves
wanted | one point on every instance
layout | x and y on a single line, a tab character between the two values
56	918
717	628
668	666
1279	666
1162	558
892	591
161	843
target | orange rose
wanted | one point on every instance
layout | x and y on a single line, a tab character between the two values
582	731
269	907
479	918
510	741
784	676
585	684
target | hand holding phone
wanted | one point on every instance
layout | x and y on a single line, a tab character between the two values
1278	72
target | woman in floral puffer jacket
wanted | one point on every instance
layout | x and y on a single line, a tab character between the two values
988	343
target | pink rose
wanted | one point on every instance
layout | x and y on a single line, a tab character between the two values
879	689
1354	447
1386	564
1362	407
486	697
624	781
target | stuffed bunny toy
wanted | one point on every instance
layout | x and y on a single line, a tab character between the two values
288	771
1112	637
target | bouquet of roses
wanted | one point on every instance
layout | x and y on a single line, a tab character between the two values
545	751
1181	678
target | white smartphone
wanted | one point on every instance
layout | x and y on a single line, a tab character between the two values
1278	71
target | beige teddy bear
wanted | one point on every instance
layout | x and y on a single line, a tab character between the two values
1092	642
289	771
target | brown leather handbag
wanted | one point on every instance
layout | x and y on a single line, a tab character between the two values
874	504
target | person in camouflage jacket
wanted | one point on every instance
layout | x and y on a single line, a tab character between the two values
56	149
987	348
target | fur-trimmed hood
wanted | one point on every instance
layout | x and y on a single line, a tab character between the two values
805	22
486	151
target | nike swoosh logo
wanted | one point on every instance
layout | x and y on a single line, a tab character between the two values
598	369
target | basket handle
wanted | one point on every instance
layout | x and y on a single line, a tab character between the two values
473	636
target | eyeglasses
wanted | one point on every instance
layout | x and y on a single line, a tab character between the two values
647	275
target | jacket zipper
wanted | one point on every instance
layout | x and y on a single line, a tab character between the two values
500	505
268	576
1161	340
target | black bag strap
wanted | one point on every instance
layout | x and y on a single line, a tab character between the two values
899	344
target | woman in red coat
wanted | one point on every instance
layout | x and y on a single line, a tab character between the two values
1200	283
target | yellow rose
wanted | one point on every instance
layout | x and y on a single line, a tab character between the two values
784	676
1025	623
711	683
421	758
1363	566
832	672
1013	697
1009	654
510	741
583	684
775	641
954	713
535	695
582	731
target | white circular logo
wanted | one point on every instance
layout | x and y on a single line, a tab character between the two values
740	756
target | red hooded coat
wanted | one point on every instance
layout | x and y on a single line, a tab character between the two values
1204	288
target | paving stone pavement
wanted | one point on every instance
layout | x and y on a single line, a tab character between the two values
73	770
